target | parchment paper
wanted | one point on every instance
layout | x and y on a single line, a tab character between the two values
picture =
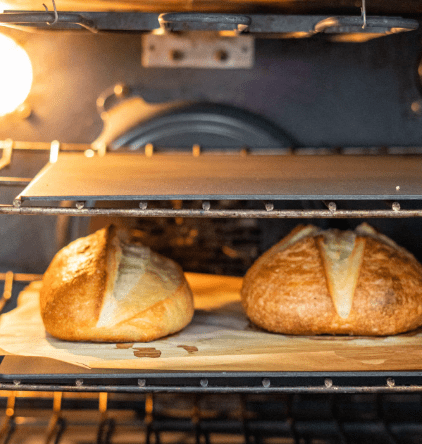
220	337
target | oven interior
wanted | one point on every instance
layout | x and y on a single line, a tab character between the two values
245	80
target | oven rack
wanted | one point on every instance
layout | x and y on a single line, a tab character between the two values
274	25
30	373
346	419
339	183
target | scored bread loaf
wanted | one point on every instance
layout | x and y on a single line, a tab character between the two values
334	282
101	289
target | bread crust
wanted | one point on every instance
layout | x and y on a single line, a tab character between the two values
286	291
75	288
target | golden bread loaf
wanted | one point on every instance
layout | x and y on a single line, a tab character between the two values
334	282
100	289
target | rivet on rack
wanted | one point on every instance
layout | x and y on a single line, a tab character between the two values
391	382
328	383
269	206
142	382
203	382
54	151
206	205
79	382
143	205
17	203
149	149
266	383
332	206
398	188
80	205
395	206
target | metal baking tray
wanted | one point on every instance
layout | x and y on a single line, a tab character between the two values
309	371
75	177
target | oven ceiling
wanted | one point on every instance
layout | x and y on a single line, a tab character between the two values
257	6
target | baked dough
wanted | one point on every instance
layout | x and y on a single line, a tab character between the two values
101	289
335	282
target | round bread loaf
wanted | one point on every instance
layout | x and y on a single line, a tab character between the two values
100	289
335	282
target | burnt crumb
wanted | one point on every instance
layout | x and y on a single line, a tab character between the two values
191	349
148	352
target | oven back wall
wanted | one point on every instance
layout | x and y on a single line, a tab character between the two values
321	93
318	92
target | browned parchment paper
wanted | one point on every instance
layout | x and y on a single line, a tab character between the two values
220	337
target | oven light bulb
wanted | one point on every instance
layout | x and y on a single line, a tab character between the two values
4	6
15	75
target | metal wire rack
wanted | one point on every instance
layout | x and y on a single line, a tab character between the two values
289	419
204	208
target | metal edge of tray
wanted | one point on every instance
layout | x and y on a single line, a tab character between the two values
225	177
100	380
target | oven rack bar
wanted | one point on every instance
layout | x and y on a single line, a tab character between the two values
293	418
81	147
213	382
241	213
42	146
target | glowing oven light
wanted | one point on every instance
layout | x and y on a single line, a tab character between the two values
5	6
15	75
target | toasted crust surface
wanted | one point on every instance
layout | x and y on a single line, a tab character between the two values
80	300
287	290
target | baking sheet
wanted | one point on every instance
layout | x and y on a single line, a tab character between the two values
219	338
218	176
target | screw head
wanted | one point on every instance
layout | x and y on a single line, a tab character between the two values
176	55
332	206
266	383
269	206
221	55
395	206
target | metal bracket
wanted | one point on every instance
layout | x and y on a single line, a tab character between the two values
200	50
7	153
